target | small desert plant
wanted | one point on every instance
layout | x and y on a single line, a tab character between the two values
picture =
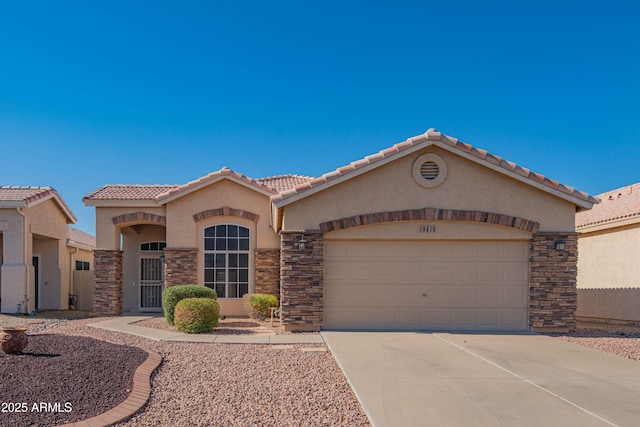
196	315
173	294
258	305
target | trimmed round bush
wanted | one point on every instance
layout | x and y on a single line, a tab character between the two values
196	315
174	294
258	305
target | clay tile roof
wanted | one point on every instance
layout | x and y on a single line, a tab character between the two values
80	237
31	194
429	137
614	205
128	192
23	194
225	171
284	182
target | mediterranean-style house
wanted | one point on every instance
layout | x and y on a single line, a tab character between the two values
609	261
46	264
430	233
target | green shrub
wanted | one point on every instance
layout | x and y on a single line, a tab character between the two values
258	305
173	294
196	315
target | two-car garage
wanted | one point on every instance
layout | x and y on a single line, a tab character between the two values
426	285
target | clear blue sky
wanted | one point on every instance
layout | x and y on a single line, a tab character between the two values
155	92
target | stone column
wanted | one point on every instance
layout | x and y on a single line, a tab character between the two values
181	266
552	282
267	266
107	294
301	280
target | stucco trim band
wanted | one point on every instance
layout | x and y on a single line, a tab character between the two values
140	217
226	211
431	214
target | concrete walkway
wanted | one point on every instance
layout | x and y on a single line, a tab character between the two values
124	324
440	379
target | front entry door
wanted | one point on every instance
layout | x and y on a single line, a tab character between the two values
151	279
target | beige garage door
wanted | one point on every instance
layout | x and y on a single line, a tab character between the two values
426	285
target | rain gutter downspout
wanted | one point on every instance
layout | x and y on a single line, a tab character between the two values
25	282
71	259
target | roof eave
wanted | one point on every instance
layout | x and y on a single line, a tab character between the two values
585	204
61	204
357	172
164	199
13	204
113	203
609	223
74	244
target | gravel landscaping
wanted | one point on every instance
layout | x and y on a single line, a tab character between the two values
60	372
234	385
244	385
621	340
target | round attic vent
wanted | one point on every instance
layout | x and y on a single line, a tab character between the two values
429	170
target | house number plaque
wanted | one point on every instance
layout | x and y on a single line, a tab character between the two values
427	228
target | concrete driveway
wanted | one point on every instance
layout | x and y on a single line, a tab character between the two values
442	379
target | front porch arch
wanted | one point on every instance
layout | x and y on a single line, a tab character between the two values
226	211
140	217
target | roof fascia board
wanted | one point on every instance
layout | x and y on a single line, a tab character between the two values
13	204
355	173
60	204
73	244
122	203
576	201
607	224
177	195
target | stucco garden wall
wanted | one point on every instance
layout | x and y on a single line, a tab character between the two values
609	258
609	274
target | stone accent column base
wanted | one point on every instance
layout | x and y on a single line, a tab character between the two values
301	280
180	266
107	294
267	266
552	282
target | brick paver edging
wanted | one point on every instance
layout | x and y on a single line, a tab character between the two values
133	403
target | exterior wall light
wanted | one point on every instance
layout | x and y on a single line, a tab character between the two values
559	245
162	258
302	244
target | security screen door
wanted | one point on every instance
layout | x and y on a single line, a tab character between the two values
151	284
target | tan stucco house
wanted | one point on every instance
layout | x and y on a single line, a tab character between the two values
430	233
45	262
609	261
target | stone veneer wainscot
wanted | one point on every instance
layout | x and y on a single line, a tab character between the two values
180	266
107	294
301	280
267	262
552	280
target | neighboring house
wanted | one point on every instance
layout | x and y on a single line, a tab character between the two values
609	261
431	233
39	251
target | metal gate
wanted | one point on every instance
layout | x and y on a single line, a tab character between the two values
151	279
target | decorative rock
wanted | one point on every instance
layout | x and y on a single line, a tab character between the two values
13	340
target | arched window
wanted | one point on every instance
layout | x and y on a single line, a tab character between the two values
226	260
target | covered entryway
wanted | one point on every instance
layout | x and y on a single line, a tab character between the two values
426	285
